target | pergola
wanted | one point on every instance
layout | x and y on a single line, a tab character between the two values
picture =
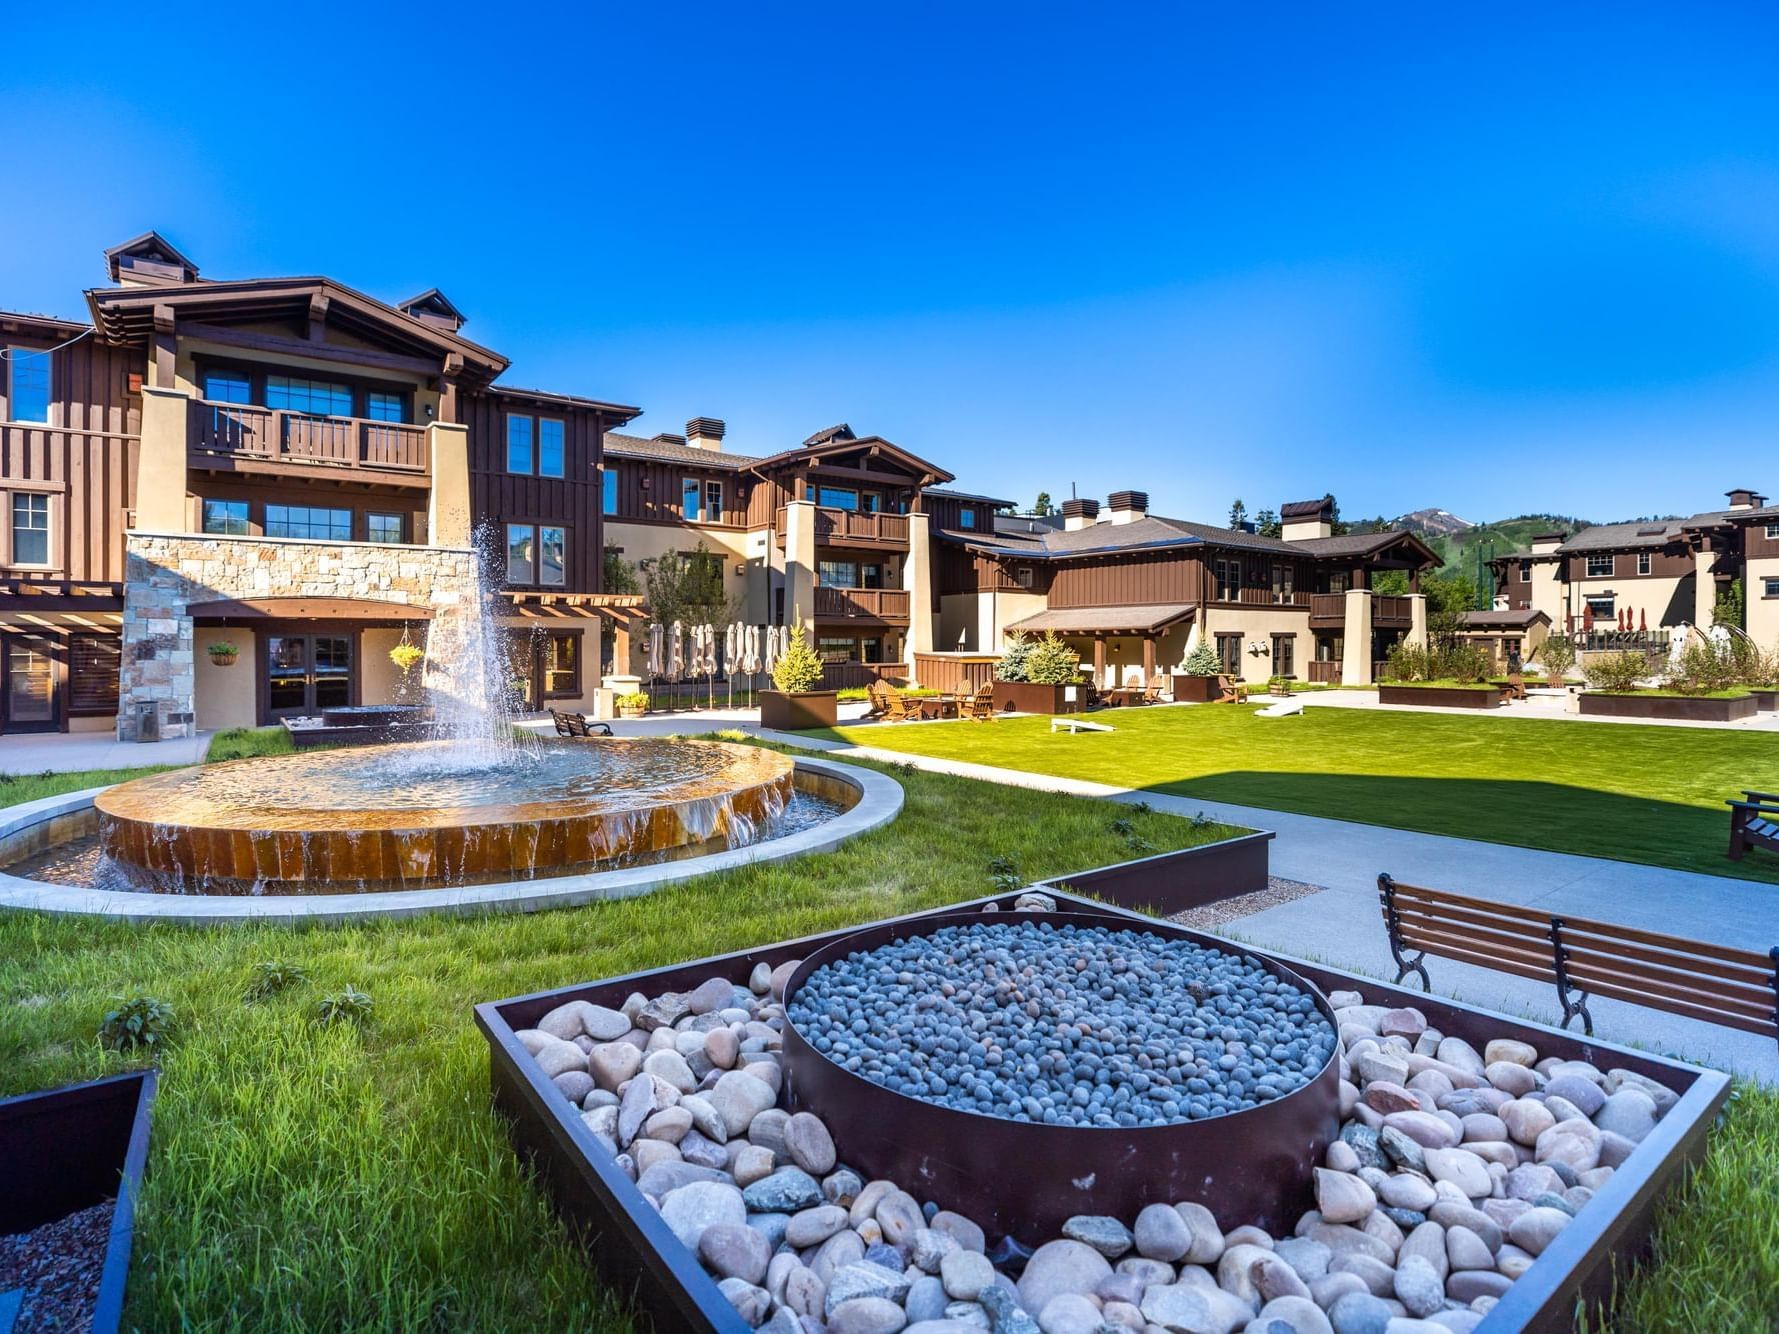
1101	624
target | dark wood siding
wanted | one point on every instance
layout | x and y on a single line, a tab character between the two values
1665	563
651	492
1128	581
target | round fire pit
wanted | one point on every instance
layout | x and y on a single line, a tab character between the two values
1026	1068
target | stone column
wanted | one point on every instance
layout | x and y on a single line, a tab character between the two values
1355	659
160	471
157	638
448	522
799	565
917	578
1704	586
1099	662
1417	619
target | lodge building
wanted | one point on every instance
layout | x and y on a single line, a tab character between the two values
223	502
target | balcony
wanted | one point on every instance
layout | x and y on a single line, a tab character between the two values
1328	610
884	605
853	528
1391	613
232	437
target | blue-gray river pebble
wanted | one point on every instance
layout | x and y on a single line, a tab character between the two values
1069	1025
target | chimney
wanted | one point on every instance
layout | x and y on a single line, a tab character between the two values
668	438
1078	514
1127	506
1545	543
1743	498
1302	520
706	433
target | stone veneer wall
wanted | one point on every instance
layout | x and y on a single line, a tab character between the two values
166	574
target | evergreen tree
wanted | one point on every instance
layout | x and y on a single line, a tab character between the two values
1238	514
1042	506
1266	523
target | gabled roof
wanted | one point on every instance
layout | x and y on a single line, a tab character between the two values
435	304
1639	535
1018	535
153	253
126	315
848	443
619	412
1366	544
948	494
1512	618
668	451
1106	620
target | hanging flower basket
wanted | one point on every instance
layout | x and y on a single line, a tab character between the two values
406	656
223	654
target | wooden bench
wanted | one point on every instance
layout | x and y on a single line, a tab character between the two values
576	724
1719	984
1754	823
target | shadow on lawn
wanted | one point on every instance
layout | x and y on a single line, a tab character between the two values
1528	814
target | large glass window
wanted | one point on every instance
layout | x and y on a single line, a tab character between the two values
227	387
30	529
1599	567
609	482
837	574
385	528
382	407
521	553
549	447
552	548
309	521
1229	653
562	663
1229	580
521	457
836	650
837	497
691	499
320	398
1284	655
1603	608
27	384
227	517
1282	577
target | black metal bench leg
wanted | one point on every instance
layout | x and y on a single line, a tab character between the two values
1574	1003
1392	924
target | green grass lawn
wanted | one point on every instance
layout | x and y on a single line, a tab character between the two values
1643	794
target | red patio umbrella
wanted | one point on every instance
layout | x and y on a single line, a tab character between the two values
1643	621
1587	619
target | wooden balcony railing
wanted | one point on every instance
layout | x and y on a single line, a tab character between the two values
1261	596
1328	606
276	436
837	527
883	604
851	675
1325	673
1390	611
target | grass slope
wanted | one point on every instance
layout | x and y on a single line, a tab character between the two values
1641	794
303	1177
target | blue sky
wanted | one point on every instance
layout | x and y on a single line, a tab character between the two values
1493	260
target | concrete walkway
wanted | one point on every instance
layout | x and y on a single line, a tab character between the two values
1342	926
1546	704
71	752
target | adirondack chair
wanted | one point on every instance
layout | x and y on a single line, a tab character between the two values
895	704
982	705
1153	691
1230	691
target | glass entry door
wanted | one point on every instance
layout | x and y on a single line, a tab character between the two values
31	701
307	673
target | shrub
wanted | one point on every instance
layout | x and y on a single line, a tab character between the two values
1053	663
1465	663
1407	662
1558	655
1617	671
350	1006
635	699
1704	666
799	669
1203	661
1015	663
271	977
141	1021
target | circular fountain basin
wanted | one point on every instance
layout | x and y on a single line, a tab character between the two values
1024	1179
431	813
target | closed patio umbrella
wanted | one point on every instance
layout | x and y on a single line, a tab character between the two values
655	637
1587	619
676	652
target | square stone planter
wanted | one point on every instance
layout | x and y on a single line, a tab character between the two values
799	712
1442	697
1668	708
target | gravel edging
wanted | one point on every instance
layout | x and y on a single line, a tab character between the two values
1278	890
58	1266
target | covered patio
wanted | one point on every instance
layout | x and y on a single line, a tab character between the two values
1119	641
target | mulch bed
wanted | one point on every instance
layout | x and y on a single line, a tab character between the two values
1278	890
58	1265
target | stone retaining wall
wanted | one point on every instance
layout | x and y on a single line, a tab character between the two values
166	574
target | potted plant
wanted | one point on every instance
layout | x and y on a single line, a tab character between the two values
1198	683
406	656
633	705
798	702
1051	683
223	653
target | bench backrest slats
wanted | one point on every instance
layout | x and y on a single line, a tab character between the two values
1735	976
1587	970
1436	941
1485	958
1636	996
1704	949
1438	899
1529	929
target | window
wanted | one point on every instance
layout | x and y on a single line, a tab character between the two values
520	456
562	663
1604	607
27	392
1229	580
30	529
1773	530
1525	572
1229	652
1339	581
837	574
552	545
692	499
837	650
318	398
837	497
382	407
713	501
609	483
549	447
226	517
1330	648
1281	584
1770	587
1284	655
1023	575
227	387
385	528
1599	567
309	521
521	542
873	502
1643	562
966	517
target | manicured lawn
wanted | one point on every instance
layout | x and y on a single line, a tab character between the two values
328	1178
1643	794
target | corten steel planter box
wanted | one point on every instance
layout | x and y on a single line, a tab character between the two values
636	1252
1172	882
70	1148
1766	701
1668	708
799	712
1196	689
1443	697
1030	697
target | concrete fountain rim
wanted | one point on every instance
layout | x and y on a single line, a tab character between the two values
880	801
